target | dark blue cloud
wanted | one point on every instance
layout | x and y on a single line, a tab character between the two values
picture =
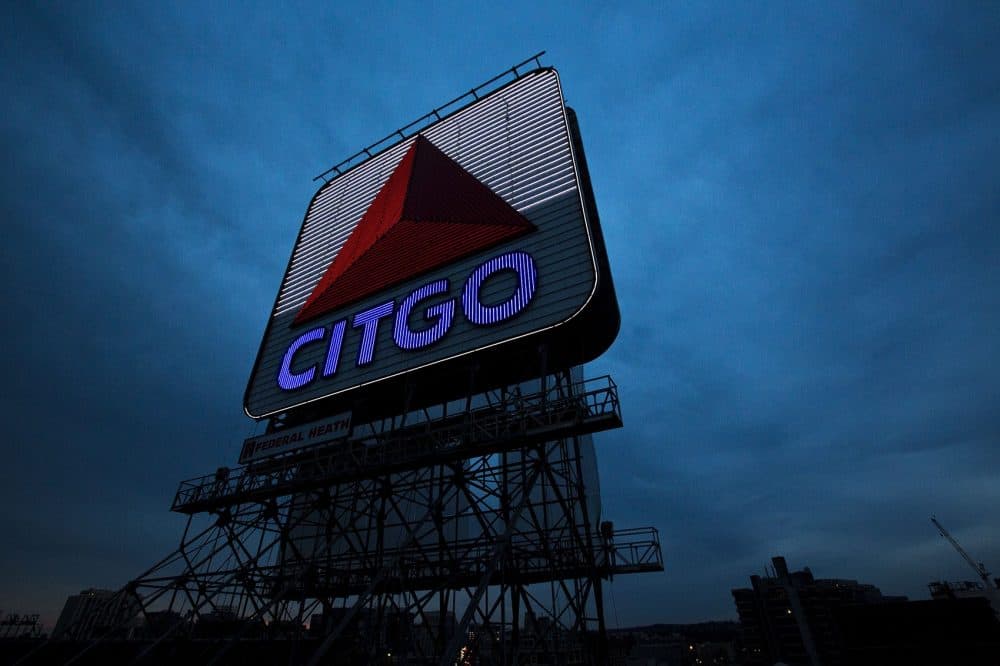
799	203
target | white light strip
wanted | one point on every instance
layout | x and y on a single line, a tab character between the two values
508	133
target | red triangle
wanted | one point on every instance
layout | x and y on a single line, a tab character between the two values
429	213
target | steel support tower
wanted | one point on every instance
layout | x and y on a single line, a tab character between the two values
458	534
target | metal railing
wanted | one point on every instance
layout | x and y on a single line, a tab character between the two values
421	566
516	419
431	117
634	551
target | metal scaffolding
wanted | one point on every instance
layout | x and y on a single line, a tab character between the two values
444	536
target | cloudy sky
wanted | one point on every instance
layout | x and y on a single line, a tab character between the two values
801	209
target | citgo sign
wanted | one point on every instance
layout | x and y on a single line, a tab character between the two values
474	243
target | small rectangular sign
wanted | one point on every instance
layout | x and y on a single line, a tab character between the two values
317	432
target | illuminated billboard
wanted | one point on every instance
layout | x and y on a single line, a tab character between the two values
465	257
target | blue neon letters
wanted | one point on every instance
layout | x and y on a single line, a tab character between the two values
483	315
440	316
407	338
289	380
369	320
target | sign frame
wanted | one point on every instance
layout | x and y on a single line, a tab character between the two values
572	340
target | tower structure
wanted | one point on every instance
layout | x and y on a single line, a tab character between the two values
426	491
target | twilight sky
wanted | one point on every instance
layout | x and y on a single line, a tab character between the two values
801	209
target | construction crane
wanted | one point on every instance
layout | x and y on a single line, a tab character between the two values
978	566
991	588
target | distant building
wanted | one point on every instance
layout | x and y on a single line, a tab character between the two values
78	607
18	626
666	649
700	644
544	641
935	631
93	612
790	616
963	589
160	622
434	632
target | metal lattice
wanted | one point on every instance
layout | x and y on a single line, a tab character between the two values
433	539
